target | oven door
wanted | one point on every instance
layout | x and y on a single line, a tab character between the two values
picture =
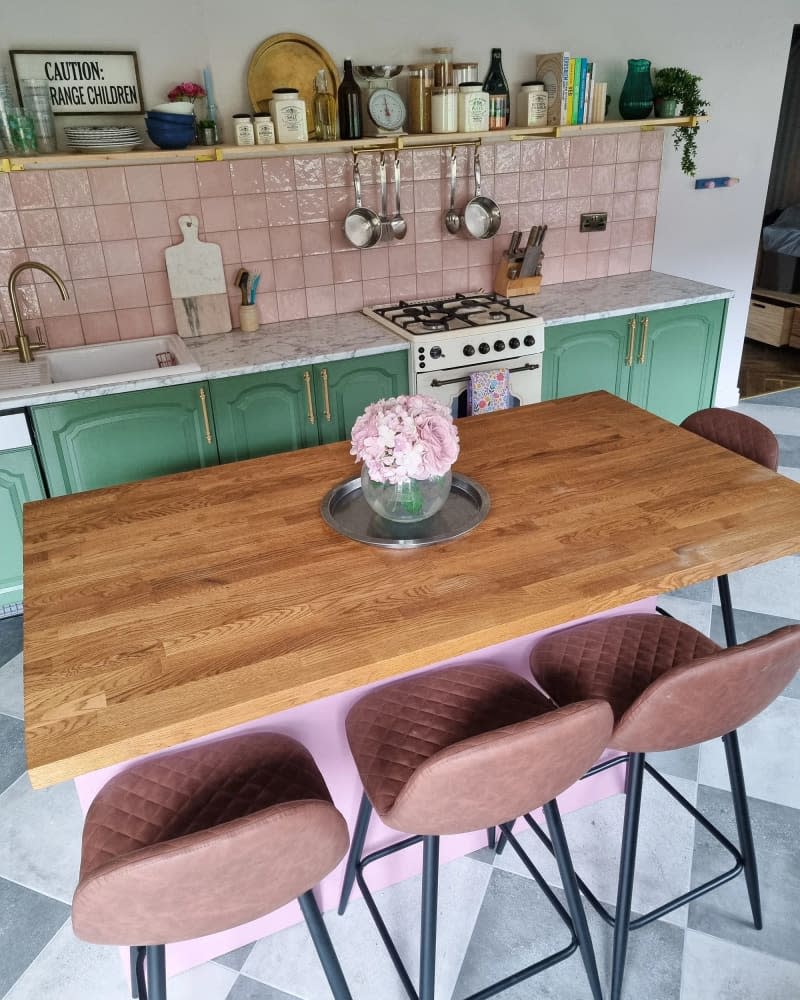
450	386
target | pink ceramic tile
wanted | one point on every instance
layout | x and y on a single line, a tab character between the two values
605	149
115	222
71	188
619	260
621	233
575	208
625	177
575	267
150	218
289	274
427	196
86	260
601	203
6	194
652	145
317	270
377	291
479	253
340	201
429	227
649	174
580	181
292	304
93	295
552	270
128	291
530	214
603	178
486	158
509	221
532	156
597	264
646	204
641	257
556	183
554	213
163	320
228	242
429	257
180	181
108	185
64	331
9	260
347	267
254	244
27	300
309	172
581	151
267	303
214	179
79	225
122	257
575	242
315	237
599	240
556	154
375	262
184	206
338	171
312	206
506	189
134	323
218	214
157	287
428	164
53	256
278	173
531	185
430	284
554	241
506	157
51	303
247	177
456	280
481	278
144	183
404	286
402	260
40	227
339	242
321	301
251	211
32	190
151	253
628	145
285	242
644	230
622	206
455	254
282	209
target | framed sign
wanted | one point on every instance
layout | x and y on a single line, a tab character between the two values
83	83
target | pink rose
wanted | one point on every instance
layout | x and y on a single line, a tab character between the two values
440	439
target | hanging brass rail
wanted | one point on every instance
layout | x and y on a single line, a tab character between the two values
398	144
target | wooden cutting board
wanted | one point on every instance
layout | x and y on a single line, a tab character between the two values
197	282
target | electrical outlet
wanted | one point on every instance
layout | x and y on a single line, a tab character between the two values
593	222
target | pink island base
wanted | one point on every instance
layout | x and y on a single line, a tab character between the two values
320	727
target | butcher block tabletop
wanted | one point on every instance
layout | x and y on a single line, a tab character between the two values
169	609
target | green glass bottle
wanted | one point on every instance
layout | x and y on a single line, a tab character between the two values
636	99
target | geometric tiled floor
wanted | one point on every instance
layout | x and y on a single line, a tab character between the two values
492	918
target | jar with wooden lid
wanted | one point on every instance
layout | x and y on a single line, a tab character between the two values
420	82
464	72
443	66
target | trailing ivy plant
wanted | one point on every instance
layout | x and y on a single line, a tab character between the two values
684	87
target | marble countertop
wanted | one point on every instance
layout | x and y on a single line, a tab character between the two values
331	338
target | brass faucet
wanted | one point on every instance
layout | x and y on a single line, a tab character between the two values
24	347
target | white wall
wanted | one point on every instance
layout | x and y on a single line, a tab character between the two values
740	52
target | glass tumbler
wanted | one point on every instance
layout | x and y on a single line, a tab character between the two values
23	133
36	99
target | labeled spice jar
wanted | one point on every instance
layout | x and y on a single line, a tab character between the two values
289	115
265	130
420	83
243	131
473	107
444	109
532	104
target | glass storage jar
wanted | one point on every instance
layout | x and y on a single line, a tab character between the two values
464	72
444	109
443	66
420	82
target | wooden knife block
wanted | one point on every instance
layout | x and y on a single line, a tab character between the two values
506	286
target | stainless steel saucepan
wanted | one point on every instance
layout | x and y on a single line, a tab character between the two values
481	214
362	226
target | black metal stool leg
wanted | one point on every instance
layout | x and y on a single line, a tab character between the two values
430	899
156	972
726	606
743	827
134	959
630	832
356	847
574	904
322	943
491	838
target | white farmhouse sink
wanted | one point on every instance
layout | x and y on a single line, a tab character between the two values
119	361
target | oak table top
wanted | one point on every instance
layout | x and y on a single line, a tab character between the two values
164	610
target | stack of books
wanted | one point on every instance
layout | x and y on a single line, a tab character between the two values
574	96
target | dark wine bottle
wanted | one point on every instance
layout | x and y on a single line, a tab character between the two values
496	86
349	105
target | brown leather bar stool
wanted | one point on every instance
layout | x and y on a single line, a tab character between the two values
669	687
748	438
203	839
461	749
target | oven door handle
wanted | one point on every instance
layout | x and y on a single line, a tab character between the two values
436	382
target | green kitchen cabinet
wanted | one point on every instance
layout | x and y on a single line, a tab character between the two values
100	441
665	360
19	482
290	408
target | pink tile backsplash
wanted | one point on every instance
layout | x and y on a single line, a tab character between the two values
105	230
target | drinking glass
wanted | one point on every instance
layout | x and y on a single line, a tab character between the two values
23	134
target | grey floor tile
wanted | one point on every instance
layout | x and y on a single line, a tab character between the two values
484	854
779	418
677	763
11	687
518	926
10	638
28	921
718	970
789	446
725	913
749	624
772	588
793	474
12	751
694	613
696	592
784	397
250	989
235	959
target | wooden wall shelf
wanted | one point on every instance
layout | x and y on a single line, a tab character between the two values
200	154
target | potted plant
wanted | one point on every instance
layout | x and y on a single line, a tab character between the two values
677	92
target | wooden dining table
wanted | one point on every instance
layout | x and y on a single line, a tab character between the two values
161	611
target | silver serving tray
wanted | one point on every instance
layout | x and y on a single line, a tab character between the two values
346	511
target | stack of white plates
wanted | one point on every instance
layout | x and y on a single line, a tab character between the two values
102	139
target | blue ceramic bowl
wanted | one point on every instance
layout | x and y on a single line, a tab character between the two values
168	119
170	138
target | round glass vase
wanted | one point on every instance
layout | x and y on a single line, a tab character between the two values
636	99
406	502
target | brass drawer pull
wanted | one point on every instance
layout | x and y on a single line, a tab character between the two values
327	399
206	422
309	397
643	349
631	338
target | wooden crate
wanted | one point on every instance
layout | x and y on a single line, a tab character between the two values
770	322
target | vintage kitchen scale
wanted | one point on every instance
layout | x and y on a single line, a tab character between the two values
383	110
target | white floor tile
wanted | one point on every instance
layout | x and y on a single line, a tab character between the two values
779	419
717	970
11	688
771	588
789	473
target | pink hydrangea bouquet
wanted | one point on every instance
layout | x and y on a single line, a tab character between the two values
405	438
186	92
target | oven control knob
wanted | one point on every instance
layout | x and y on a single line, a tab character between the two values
469	350
530	340
436	352
484	348
499	345
513	343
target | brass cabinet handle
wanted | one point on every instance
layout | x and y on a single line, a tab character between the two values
309	397
643	348
206	422
631	338
326	397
